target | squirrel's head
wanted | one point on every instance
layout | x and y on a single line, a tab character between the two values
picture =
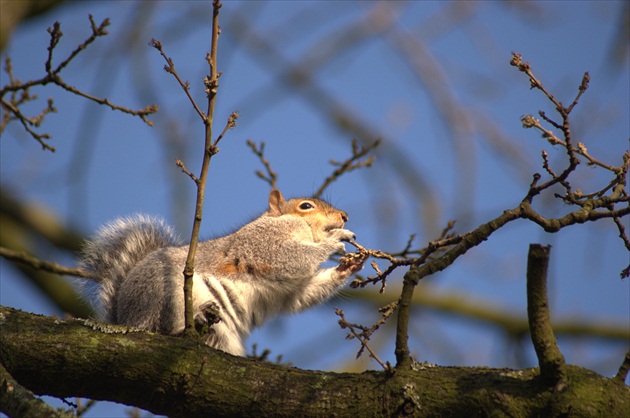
321	216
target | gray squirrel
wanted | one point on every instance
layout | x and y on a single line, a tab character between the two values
271	265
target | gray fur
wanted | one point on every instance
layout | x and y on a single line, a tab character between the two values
269	266
116	249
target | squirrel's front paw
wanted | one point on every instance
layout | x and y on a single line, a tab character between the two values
207	315
340	234
350	263
337	236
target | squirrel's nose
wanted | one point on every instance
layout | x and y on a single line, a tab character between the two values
344	216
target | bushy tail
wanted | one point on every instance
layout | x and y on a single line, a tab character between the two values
116	248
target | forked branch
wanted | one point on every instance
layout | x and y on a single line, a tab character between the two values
19	93
355	161
270	176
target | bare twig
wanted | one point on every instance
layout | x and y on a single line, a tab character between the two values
530	122
352	163
170	68
271	177
97	31
11	106
517	61
381	276
180	164
209	151
407	248
363	338
142	113
583	86
28	122
446	239
231	123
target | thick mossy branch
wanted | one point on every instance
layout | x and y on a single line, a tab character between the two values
179	377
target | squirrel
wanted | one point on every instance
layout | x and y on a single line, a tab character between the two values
269	266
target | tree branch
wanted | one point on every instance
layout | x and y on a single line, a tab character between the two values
180	378
170	68
52	77
271	177
17	401
210	149
363	338
403	360
29	260
550	358
351	163
622	374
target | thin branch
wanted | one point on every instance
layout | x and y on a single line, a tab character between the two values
180	164
26	121
363	339
583	87
622	231
531	122
524	67
210	149
446	239
97	31
352	163
407	248
271	177
231	123
24	258
170	68
142	113
52	77
381	276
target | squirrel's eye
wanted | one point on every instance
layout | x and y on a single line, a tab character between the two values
306	205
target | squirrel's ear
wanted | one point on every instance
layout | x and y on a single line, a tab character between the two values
276	202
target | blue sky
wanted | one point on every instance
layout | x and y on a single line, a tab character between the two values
108	164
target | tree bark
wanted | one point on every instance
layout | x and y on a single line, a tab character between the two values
179	377
550	357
